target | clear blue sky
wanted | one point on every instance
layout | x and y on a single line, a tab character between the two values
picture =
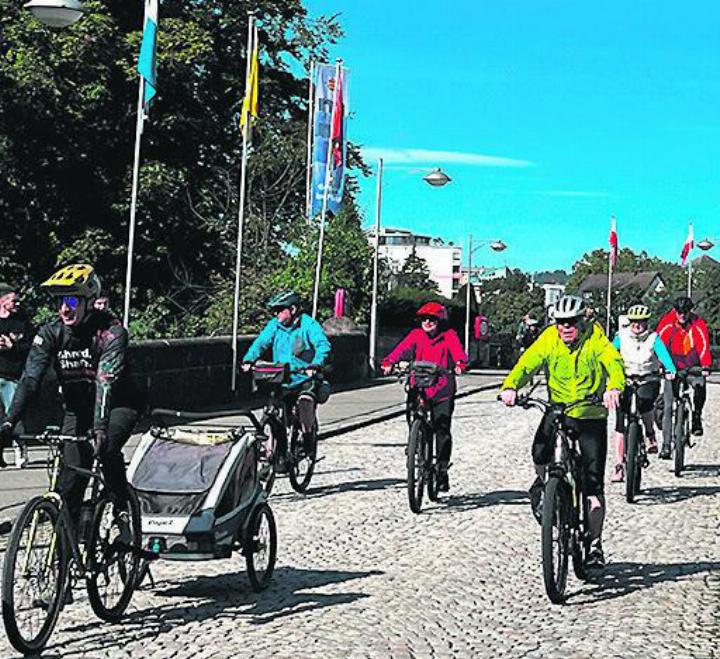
549	115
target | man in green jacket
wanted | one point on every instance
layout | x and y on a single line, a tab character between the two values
579	361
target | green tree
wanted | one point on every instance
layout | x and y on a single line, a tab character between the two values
506	300
415	274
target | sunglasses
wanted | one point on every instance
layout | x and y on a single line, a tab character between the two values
70	301
568	322
426	319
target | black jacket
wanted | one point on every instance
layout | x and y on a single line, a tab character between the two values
18	328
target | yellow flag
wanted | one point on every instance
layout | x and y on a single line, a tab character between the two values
250	102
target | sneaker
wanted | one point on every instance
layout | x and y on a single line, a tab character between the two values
21	456
595	559
619	474
122	522
665	452
3	464
536	492
697	427
443	481
652	446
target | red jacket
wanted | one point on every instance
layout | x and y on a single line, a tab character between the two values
444	349
688	345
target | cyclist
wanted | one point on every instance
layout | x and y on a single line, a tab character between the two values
686	336
579	361
433	341
642	352
299	341
88	350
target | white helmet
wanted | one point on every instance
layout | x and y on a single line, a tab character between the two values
569	306
638	312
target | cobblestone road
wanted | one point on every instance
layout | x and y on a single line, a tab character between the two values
359	575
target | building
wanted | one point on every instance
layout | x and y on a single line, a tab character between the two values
443	259
649	282
553	285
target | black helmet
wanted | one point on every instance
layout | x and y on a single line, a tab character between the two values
283	300
683	305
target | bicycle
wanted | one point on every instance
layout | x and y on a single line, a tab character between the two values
565	510
681	415
422	464
280	425
635	452
47	554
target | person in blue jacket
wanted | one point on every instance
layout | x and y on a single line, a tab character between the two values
300	341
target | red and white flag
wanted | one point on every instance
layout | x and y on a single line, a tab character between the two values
689	244
337	136
613	240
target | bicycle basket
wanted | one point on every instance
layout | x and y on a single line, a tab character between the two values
270	372
423	374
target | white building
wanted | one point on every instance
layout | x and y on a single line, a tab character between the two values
443	259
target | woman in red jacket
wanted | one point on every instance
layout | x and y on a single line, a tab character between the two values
433	341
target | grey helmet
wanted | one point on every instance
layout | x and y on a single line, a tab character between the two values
569	306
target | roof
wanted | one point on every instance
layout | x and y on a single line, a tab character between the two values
598	282
705	261
555	277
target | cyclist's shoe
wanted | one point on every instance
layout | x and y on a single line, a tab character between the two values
619	474
443	481
308	442
595	559
536	491
652	446
665	452
697	426
122	523
3	464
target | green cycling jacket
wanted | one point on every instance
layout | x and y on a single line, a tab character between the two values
573	373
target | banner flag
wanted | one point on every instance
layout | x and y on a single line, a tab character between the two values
613	240
329	131
147	66
689	244
250	102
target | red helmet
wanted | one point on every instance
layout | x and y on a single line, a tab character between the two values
434	310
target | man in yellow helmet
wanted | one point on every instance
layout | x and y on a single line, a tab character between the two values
88	350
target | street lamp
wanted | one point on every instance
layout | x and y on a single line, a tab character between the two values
495	246
706	244
437	178
56	13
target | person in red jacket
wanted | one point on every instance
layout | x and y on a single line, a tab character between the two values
686	336
433	341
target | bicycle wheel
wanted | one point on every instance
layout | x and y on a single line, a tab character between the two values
267	454
302	459
431	473
632	461
113	564
416	464
34	576
680	437
260	547
555	538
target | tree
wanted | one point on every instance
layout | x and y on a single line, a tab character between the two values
415	274
505	301
66	132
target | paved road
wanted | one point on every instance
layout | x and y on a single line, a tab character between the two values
359	575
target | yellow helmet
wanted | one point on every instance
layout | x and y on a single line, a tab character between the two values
76	279
638	312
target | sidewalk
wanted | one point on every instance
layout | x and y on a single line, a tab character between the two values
347	410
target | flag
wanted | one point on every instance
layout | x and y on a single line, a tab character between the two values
338	126
250	102
613	240
146	62
329	132
689	244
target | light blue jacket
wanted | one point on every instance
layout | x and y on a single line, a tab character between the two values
302	344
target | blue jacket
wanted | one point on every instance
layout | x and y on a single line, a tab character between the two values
302	344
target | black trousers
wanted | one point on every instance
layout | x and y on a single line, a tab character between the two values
71	484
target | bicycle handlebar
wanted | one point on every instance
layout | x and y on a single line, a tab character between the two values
50	438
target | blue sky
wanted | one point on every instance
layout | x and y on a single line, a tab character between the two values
549	115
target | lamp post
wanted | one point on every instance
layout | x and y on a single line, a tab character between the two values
56	13
496	246
706	244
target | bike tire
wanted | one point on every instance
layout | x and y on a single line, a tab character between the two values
299	478
35	512
632	461
431	473
104	553
266	467
680	439
556	535
261	538
416	465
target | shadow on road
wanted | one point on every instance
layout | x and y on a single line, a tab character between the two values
701	471
460	502
620	579
226	596
655	496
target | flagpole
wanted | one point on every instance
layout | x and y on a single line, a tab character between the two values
133	201
326	191
376	272
609	294
311	116
691	241
241	213
689	281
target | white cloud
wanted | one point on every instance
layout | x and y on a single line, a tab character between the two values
430	157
